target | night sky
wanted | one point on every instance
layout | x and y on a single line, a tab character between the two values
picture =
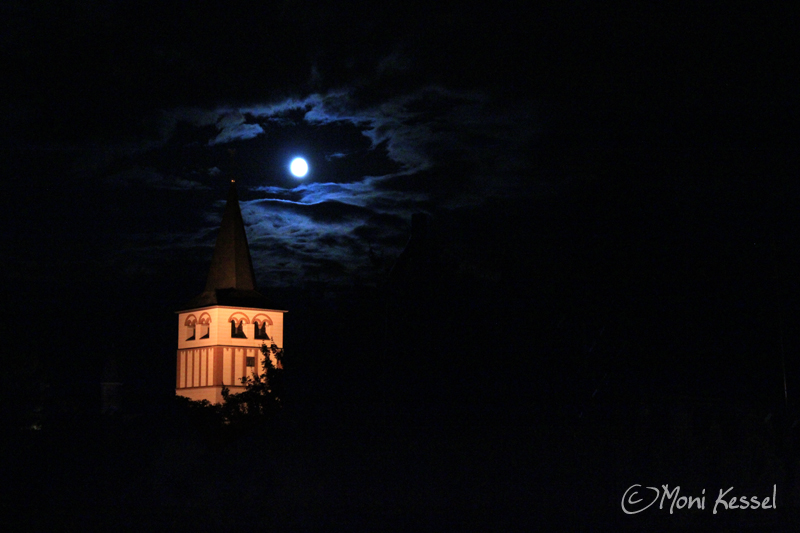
611	195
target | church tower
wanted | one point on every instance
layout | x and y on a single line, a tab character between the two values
220	331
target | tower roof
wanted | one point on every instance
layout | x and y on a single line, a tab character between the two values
231	266
231	280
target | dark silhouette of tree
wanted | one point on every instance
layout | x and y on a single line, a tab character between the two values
263	395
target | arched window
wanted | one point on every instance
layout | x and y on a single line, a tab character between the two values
189	327
262	323
238	320
237	331
204	325
261	331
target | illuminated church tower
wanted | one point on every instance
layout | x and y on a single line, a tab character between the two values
220	332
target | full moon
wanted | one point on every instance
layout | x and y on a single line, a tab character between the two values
299	167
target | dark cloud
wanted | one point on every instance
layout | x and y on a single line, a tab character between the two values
372	166
398	109
149	177
305	234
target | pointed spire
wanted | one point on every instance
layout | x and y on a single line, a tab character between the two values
231	279
231	266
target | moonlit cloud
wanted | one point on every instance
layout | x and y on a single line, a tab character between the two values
363	193
412	126
232	127
431	148
288	240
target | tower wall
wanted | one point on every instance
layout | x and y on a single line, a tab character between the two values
205	365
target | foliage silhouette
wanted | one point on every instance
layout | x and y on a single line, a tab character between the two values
263	394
